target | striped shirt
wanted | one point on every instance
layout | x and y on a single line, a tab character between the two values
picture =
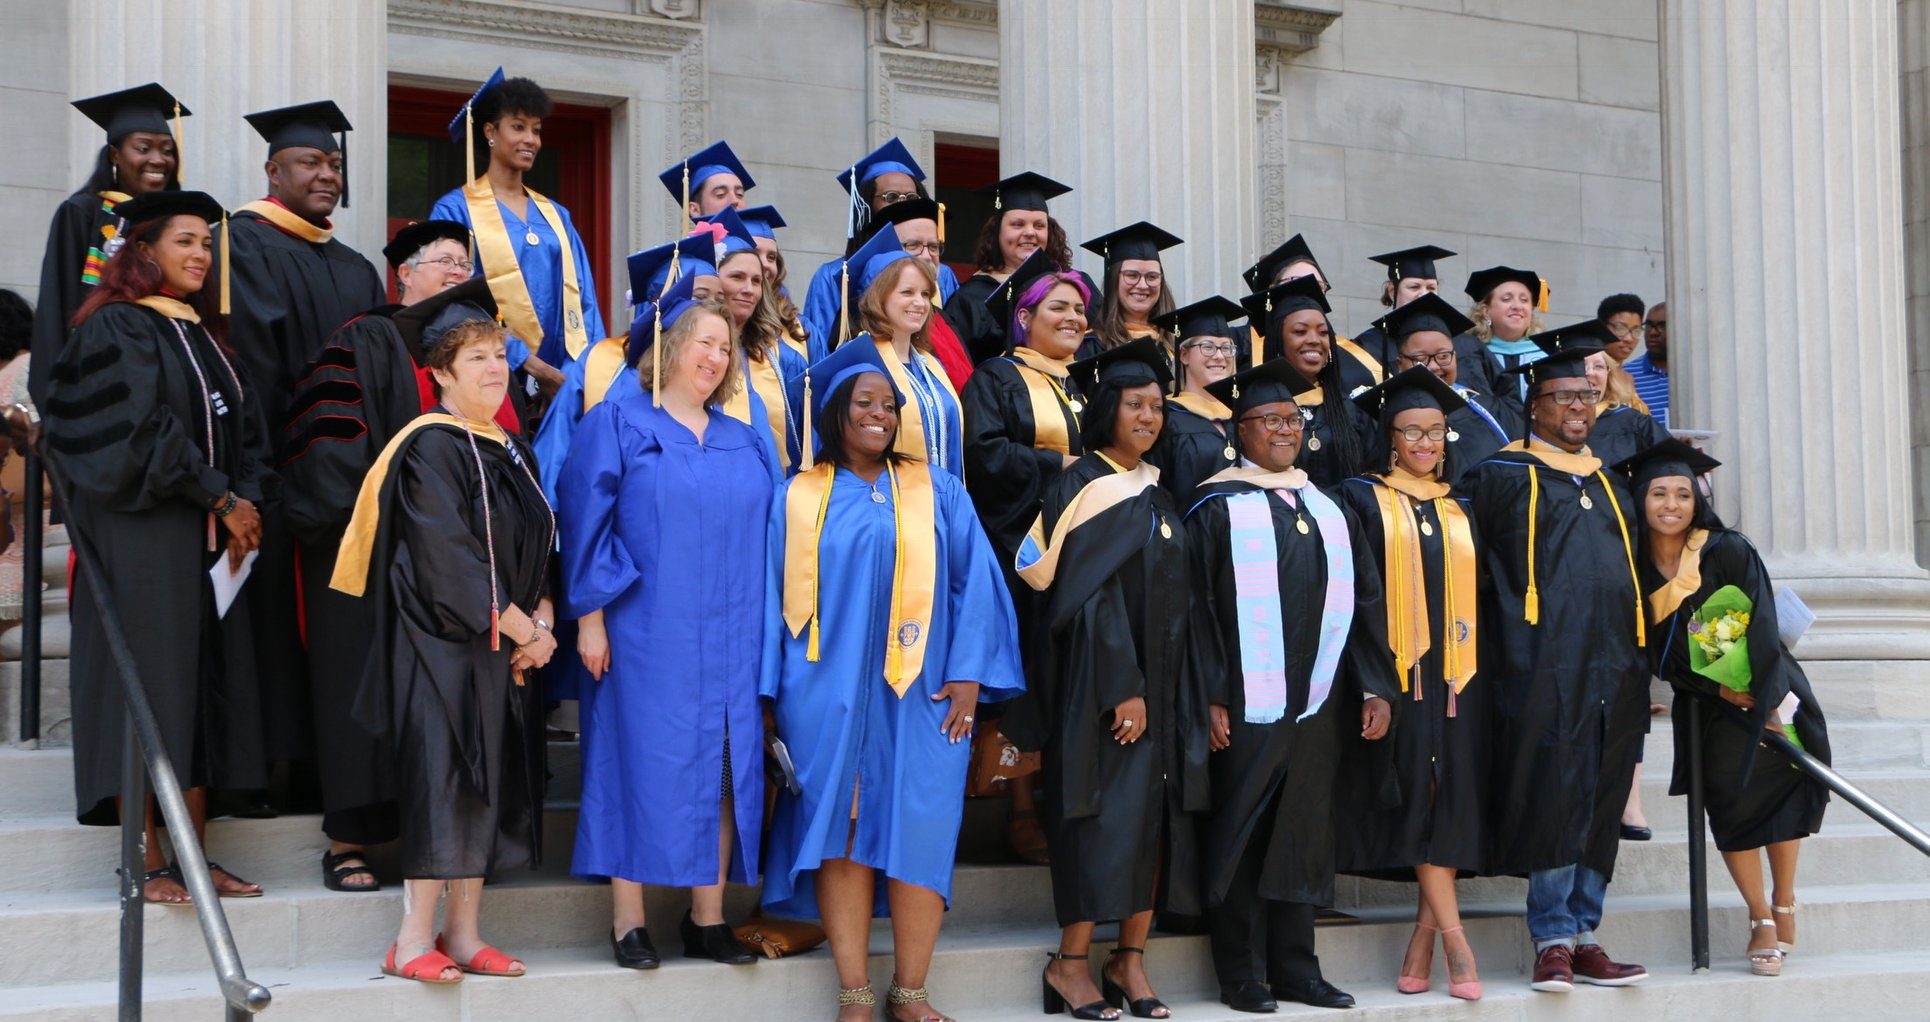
1651	385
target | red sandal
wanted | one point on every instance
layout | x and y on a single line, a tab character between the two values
489	961
426	967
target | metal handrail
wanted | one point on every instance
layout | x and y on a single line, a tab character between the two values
244	997
31	571
1815	768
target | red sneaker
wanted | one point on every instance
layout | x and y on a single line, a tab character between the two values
1554	970
1592	965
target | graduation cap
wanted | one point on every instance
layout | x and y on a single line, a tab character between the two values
1407	390
1566	350
762	221
148	108
1005	297
1272	305
652	316
650	268
1428	312
1293	250
1209	317
689	174
1134	241
890	158
1270	382
1670	457
1135	363
862	267
318	125
735	235
811	390
424	324
151	206
416	236
1412	262
1024	190
462	127
1481	284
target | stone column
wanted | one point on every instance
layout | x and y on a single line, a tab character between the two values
1787	300
1144	107
1913	17
226	58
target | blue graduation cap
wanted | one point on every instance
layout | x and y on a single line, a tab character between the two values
737	234
713	159
890	158
808	392
461	127
645	323
762	221
865	265
650	268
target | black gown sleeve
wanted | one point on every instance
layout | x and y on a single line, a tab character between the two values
1206	543
106	423
1007	476
343	412
1369	662
61	291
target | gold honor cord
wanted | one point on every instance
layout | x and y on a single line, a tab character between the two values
181	153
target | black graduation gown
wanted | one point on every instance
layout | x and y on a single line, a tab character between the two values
80	229
355	395
1475	368
1440	764
1374	342
1622	432
1570	693
466	740
1190	450
1275	783
290	296
1476	437
1116	817
1007	475
128	427
983	336
1319	456
1755	796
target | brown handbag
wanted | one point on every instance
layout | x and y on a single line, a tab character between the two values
995	762
779	938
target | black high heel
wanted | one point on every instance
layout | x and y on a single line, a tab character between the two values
1116	994
1055	1002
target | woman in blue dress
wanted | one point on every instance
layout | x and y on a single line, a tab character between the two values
887	622
663	598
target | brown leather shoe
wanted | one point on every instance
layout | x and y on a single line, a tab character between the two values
1554	970
1592	965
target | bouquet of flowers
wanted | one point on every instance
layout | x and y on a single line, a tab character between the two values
1719	643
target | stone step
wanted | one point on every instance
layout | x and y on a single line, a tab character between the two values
56	707
1855	745
1852	939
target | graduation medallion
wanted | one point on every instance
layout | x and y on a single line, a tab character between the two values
1073	403
1301	524
1427	528
1165	529
531	238
1453	436
1313	444
1231	454
1586	503
877	498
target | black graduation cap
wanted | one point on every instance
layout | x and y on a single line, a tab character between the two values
1407	390
1209	317
1024	190
311	125
1293	250
1273	304
147	108
1139	361
906	209
1003	297
1134	241
415	236
1670	457
150	206
1567	349
1412	262
1428	312
423	324
1481	283
1272	381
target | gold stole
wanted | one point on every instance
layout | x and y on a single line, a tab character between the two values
1360	354
286	219
1409	633
911	420
1092	500
770	387
1206	406
1688	578
796	341
1259	346
1254	475
506	274
358	543
914	573
600	369
1045	388
1582	464
170	307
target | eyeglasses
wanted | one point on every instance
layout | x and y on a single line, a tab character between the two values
1131	278
1439	358
889	198
1276	423
915	247
1572	398
1656	326
1413	434
1624	332
1224	349
449	263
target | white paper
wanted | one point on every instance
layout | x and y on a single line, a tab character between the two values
1793	616
1691	436
227	585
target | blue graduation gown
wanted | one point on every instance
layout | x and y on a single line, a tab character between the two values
683	599
843	724
821	301
542	266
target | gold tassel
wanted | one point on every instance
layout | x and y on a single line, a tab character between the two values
686	209
227	245
656	357
1531	603
808	449
469	161
181	152
1541	304
817	540
844	303
941	226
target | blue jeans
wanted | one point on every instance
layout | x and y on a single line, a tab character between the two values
1565	906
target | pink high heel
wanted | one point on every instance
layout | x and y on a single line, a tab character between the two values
1470	990
1418	984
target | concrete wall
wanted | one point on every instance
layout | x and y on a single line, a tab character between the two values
34	175
1511	131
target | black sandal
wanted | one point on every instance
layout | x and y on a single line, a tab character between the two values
335	875
215	867
166	873
1116	994
1055	1002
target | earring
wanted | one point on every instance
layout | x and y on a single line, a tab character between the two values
492	143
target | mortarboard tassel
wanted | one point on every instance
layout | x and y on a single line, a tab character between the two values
1531	601
844	301
810	459
656	359
1541	305
686	209
941	225
181	153
341	141
227	245
469	161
